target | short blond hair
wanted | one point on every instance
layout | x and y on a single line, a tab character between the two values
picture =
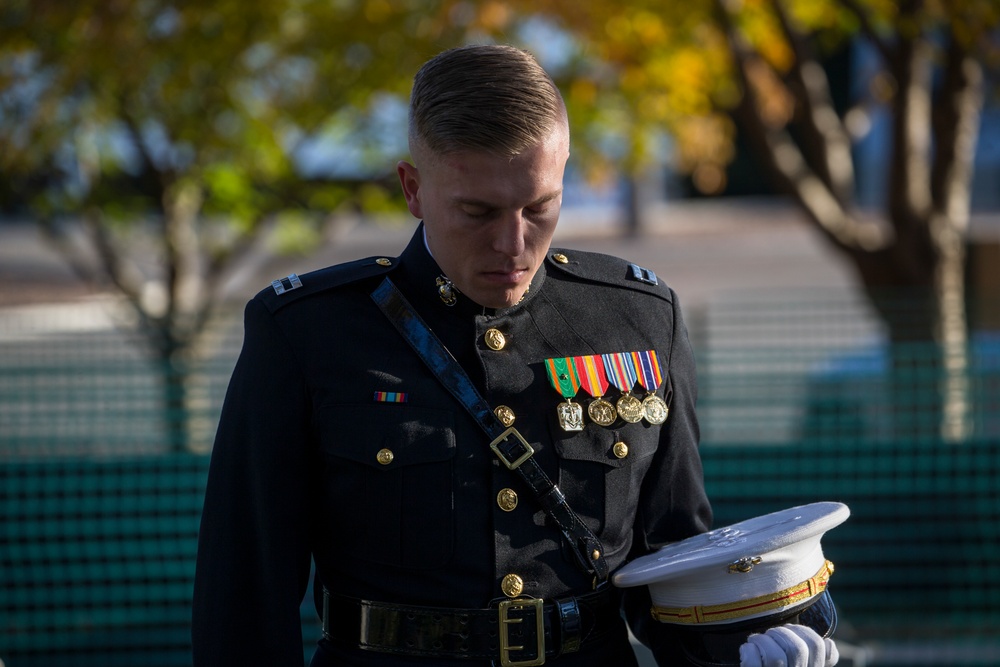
492	98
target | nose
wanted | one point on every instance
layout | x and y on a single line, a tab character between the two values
509	236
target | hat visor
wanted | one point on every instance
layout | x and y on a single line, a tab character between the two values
719	645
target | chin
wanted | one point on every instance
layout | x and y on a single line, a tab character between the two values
498	301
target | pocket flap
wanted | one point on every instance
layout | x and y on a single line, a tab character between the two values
413	434
599	446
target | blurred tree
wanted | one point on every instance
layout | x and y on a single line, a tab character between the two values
692	68
180	124
171	132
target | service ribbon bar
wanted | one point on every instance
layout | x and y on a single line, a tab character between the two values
563	376
391	397
620	370
648	368
591	374
654	408
595	381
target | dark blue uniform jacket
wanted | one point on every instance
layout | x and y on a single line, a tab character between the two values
296	472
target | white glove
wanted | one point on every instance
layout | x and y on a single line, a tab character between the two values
789	646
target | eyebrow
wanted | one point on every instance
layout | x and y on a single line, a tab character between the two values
479	202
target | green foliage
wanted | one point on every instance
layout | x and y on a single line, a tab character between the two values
137	93
296	233
183	122
644	68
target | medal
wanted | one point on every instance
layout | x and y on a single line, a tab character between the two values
621	372
629	408
654	409
564	379
647	367
595	382
602	412
570	416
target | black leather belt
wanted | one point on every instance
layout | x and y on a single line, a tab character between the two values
515	633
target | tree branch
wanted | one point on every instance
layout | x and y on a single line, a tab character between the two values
909	183
79	264
825	142
127	280
784	160
136	134
956	128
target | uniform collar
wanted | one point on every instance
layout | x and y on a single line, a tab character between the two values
418	273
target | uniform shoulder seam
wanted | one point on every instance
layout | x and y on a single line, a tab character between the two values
288	290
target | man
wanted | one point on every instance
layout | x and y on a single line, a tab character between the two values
436	541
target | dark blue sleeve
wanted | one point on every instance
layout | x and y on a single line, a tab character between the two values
253	547
673	504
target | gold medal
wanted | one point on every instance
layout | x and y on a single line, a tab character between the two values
590	371
620	370
647	367
630	408
602	412
570	416
654	409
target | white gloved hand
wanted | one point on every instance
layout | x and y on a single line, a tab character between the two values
789	646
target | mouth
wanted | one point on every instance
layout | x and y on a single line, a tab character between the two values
505	277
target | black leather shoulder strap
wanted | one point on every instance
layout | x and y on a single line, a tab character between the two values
512	449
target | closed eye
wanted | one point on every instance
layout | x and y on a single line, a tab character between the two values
478	212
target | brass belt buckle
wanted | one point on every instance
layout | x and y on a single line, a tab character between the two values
522	604
528	450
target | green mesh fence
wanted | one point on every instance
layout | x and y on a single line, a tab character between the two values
816	366
97	561
800	400
916	557
86	384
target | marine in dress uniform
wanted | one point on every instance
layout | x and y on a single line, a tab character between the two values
420	426
336	441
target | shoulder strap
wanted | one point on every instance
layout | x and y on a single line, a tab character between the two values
508	445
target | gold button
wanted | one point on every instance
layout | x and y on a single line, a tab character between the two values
561	258
495	339
512	585
595	554
383	261
384	456
504	414
507	499
620	449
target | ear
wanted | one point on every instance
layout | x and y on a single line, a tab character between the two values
409	179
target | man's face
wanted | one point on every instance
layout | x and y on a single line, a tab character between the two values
489	219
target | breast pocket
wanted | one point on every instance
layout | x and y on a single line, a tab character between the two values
388	482
601	471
